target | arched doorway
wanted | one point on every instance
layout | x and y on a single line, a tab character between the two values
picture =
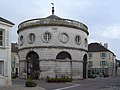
33	64
64	64
64	55
84	66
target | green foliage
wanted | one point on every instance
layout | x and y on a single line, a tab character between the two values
61	79
91	76
105	75
30	82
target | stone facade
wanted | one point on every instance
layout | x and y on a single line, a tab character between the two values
56	46
14	60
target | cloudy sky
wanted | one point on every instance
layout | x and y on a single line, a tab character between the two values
101	16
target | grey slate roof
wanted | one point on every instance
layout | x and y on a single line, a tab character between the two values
6	21
97	47
53	17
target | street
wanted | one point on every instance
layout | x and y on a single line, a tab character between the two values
110	83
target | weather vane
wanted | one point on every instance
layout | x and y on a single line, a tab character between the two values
52	8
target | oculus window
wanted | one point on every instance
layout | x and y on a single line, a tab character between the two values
47	37
78	40
21	40
85	42
63	37
31	38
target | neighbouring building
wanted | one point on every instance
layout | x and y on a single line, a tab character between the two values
14	60
5	51
101	61
52	47
118	67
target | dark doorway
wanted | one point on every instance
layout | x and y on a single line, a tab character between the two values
33	65
84	66
16	73
63	55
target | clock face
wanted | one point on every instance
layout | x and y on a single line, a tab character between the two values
63	37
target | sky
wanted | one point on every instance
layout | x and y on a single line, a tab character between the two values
101	16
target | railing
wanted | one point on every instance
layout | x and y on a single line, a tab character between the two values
45	21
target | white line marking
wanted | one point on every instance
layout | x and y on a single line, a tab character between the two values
67	87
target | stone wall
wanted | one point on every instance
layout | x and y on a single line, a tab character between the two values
53	68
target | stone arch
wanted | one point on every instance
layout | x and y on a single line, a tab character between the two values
85	66
64	55
33	64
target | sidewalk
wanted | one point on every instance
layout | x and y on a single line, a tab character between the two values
13	87
20	85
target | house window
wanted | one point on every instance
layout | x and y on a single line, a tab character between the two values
1	37
103	63
31	38
103	55
90	64
1	67
47	37
111	63
90	55
78	40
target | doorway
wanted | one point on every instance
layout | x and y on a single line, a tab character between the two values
33	65
84	66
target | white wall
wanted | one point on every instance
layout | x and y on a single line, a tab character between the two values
5	55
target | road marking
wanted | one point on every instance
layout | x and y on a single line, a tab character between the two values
67	87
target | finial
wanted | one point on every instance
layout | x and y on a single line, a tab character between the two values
52	8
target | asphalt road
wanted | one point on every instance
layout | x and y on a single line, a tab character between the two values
110	83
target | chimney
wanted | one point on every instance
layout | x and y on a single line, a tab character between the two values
106	45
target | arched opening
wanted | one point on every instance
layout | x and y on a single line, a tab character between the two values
84	66
65	66
33	64
64	55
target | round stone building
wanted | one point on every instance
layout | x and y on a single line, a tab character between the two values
53	47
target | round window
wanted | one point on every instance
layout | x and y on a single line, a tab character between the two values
63	37
47	37
21	40
86	42
78	40
31	38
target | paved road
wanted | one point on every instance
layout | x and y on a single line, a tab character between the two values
19	84
111	83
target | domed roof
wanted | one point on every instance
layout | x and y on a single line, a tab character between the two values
53	17
52	20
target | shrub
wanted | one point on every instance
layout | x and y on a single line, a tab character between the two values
105	75
91	76
30	82
61	79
